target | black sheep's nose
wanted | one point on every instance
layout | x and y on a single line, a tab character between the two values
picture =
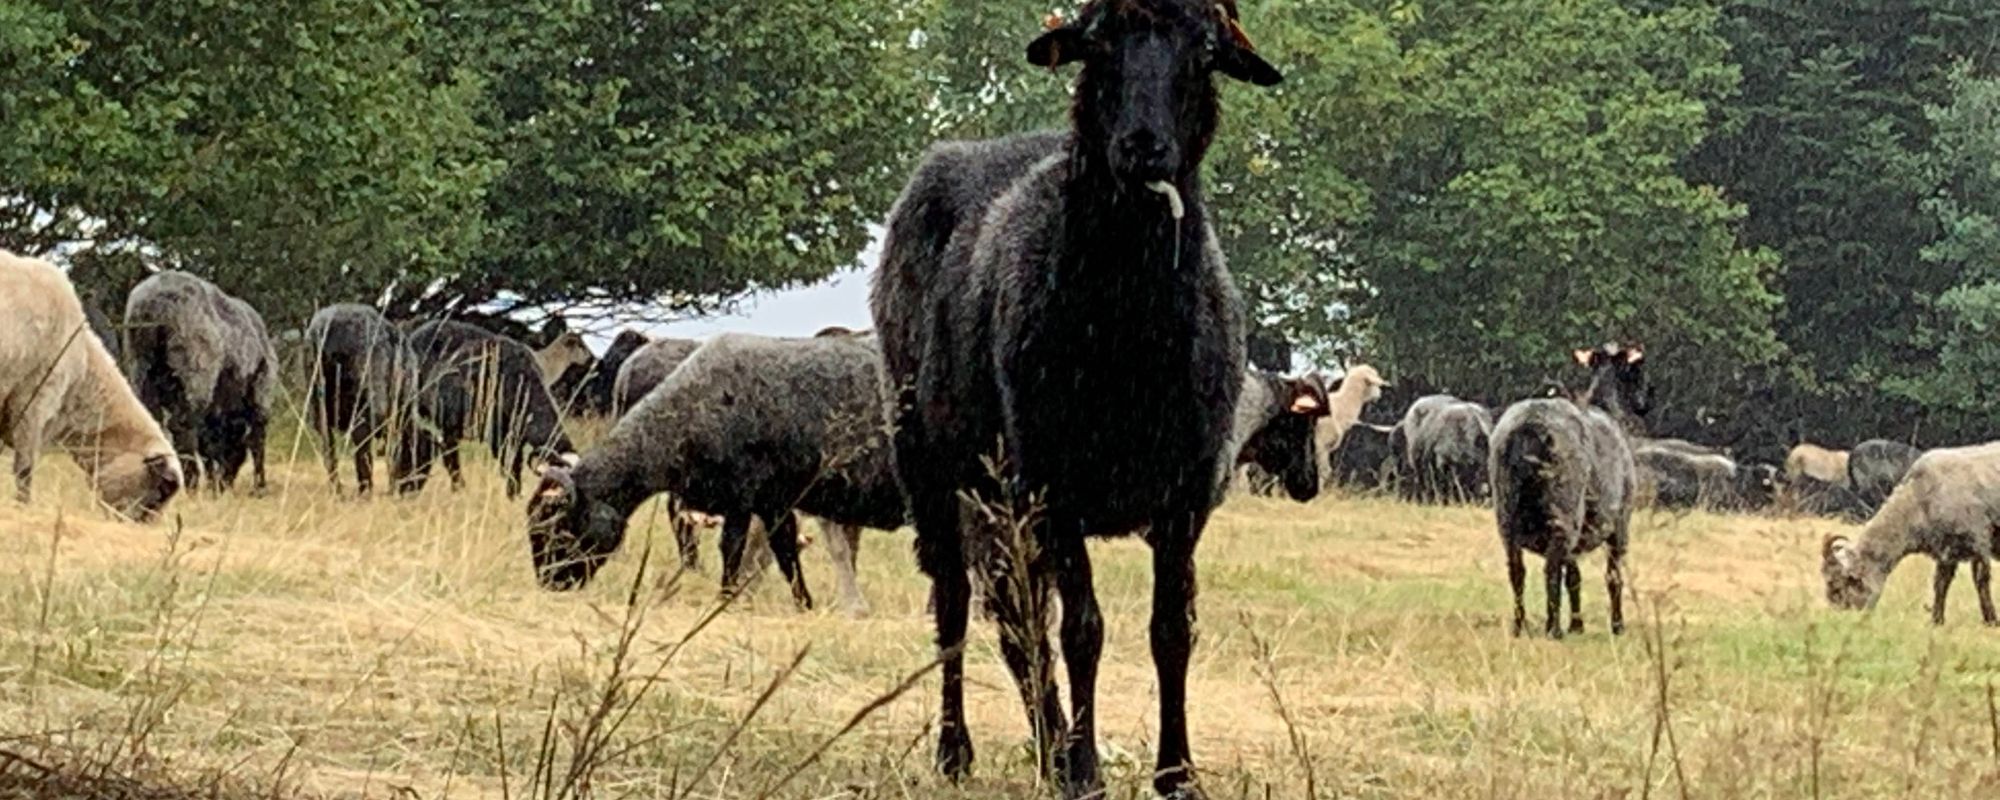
1146	152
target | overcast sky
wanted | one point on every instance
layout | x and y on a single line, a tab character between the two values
841	299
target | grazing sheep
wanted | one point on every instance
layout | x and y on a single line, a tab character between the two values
1442	445
1947	507
202	362
1365	459
1563	480
1085	325
1819	463
647	368
1806	494
1676	478
728	434
597	394
365	384
1275	430
1874	467
59	387
486	386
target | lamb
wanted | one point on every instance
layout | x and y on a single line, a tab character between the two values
646	368
1563	480
1874	467
726	434
1087	325
60	387
487	386
203	363
1948	508
365	384
1275	430
1675	478
1442	446
1359	387
1364	460
1814	461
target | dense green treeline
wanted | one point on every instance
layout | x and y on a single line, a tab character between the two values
1790	202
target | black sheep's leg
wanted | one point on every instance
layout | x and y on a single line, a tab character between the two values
735	533
1517	577
1018	595
1573	578
783	528
686	538
1614	581
364	459
1083	645
1555	567
1175	535
260	482
453	466
1982	576
1947	570
941	556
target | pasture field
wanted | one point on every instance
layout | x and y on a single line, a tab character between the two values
304	644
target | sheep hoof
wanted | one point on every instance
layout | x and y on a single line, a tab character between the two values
1576	626
1618	628
1179	787
954	754
1556	632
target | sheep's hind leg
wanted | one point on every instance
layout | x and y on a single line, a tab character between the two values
1573	578
1017	596
1614	582
686	538
782	531
735	534
260	485
24	472
1083	645
843	544
1982	576
941	556
1555	567
1517	576
1175	535
1947	571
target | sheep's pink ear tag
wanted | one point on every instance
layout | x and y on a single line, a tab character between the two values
1582	356
1634	356
1305	404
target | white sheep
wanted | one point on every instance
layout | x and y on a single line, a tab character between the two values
1359	387
1948	508
59	386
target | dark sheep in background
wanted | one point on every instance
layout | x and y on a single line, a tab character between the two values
1618	384
1874	467
60	388
1944	508
365	385
1365	459
1276	425
646	368
1805	494
202	362
489	387
1442	447
595	394
106	330
1110	396
1677	479
747	427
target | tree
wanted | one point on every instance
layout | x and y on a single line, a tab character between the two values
675	151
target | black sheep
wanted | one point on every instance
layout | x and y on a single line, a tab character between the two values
489	387
1441	450
1276	419
203	364
1364	460
1086	325
365	383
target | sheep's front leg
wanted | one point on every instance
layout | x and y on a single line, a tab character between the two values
24	471
1517	576
782	531
735	534
1982	576
1174	538
260	485
843	546
1573	578
1947	571
1614	582
1083	645
686	538
1018	599
1555	567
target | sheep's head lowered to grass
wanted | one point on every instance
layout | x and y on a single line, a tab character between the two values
570	534
1145	104
134	484
1847	586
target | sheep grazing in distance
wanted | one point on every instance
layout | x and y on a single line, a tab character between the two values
1442	446
203	363
366	384
1874	467
487	386
730	433
1818	463
1947	507
1086	324
647	368
1563	480
1673	478
1805	494
1365	459
60	388
596	394
1275	430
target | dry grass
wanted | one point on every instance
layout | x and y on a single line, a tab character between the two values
311	644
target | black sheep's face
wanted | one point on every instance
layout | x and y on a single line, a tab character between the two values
570	536
1146	92
1760	485
1623	368
1286	446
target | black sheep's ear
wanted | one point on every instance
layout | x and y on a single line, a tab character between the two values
1236	57
1057	46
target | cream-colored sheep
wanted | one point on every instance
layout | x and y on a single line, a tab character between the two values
59	386
568	350
1948	508
1361	386
1819	463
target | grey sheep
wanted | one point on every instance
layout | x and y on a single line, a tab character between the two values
1364	459
365	385
203	363
1441	445
1072	359
731	433
1563	480
1678	479
646	368
1948	508
1874	467
488	387
60	388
